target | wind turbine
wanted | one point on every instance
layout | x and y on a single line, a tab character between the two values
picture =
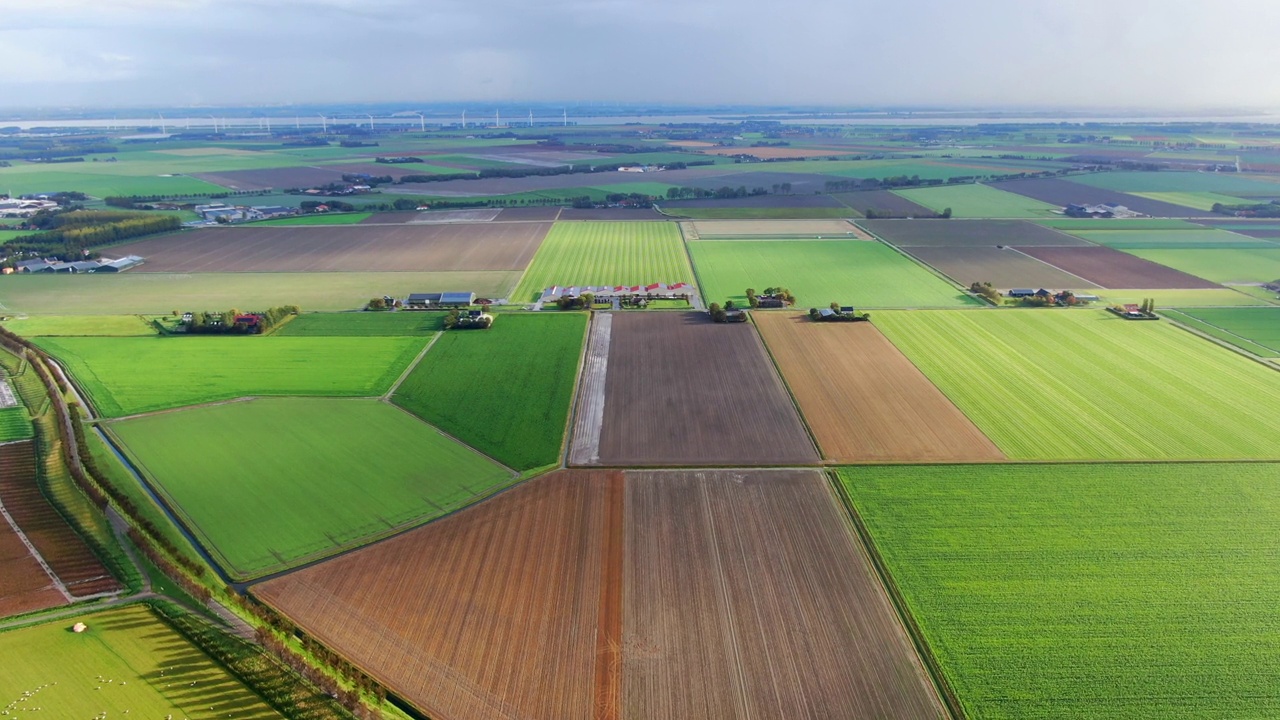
566	116
370	121
324	124
163	128
530	118
464	119
497	119
422	121
268	125
215	124
296	124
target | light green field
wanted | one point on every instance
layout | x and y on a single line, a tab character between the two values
1182	182
606	253
129	664
1198	200
761	213
1086	385
1256	330
1197	297
1172	239
820	272
102	179
363	324
978	201
270	484
506	390
1237	265
126	376
1073	224
15	424
321	219
161	293
7	235
99	325
1130	592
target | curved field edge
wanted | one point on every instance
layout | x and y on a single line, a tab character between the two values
1085	385
323	477
129	376
1087	590
505	391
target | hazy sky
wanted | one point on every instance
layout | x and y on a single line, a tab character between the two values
1089	53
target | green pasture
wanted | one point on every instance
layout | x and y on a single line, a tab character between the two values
1256	330
1195	297
761	213
1234	265
161	293
1087	385
15	424
977	201
270	484
363	324
315	219
606	253
1205	238
1197	200
505	391
7	235
1131	592
1071	225
80	325
1182	182
820	272
130	375
102	179
129	663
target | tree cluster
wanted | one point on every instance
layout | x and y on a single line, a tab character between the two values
455	320
582	302
986	290
70	239
1267	210
721	193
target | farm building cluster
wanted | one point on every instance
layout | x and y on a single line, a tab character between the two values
24	207
440	300
652	291
41	265
1062	297
1102	210
221	213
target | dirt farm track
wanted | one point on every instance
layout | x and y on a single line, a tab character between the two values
407	247
560	600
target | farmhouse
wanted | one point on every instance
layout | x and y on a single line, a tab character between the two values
652	291
1101	210
23	208
426	301
82	266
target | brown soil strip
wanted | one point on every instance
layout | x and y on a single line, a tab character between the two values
609	628
1114	269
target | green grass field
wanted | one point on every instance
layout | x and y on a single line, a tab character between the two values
7	235
505	391
1195	297
1172	239
1089	591
1182	182
102	179
1073	224
129	663
1256	330
321	219
819	272
363	324
15	424
606	253
82	325
161	293
762	213
125	376
1086	385
1197	200
977	201
271	484
1237	265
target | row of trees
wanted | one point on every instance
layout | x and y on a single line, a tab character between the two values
73	240
225	323
1267	210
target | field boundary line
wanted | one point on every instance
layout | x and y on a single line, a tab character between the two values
571	420
412	365
813	439
1272	363
66	594
982	302
702	303
949	701
1055	267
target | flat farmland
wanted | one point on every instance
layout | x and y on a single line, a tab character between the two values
311	176
363	324
129	662
24	585
494	612
161	293
882	202
863	400
1256	330
819	272
606	253
408	247
1087	591
340	218
977	201
506	390
721	401
1203	201
1114	269
339	473
1060	193
77	568
125	376
1230	266
772	609
1110	389
774	228
1218	297
966	233
1002	267
73	325
15	424
1205	238
1236	184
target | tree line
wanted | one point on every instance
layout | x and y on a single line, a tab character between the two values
74	233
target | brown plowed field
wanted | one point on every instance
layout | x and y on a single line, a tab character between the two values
24	586
882	201
351	248
1065	192
494	612
1114	269
681	390
303	176
778	153
747	596
1004	268
967	233
864	400
66	554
